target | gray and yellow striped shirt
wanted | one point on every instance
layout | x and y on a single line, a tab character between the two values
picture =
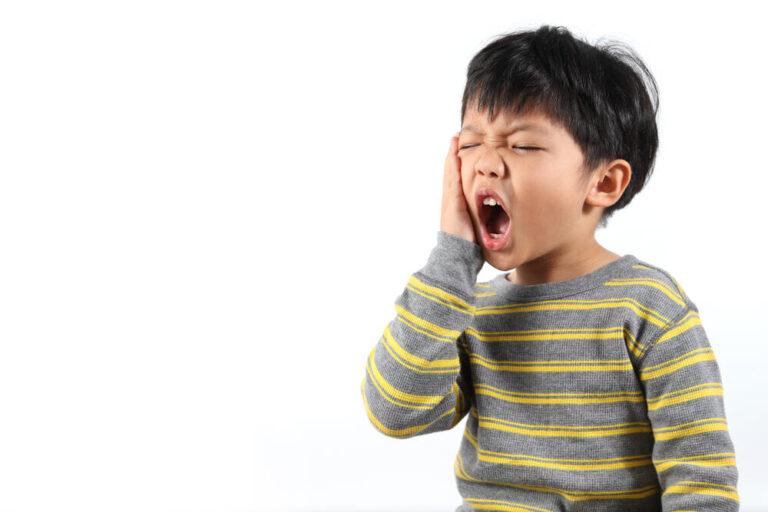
599	393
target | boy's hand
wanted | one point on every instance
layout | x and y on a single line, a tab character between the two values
454	216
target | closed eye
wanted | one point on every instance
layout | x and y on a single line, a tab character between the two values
524	148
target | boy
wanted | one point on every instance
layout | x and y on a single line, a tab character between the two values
586	377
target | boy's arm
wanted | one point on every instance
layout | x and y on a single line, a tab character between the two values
693	453
416	382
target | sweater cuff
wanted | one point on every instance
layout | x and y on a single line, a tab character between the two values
454	264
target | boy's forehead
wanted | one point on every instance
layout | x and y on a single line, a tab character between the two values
477	121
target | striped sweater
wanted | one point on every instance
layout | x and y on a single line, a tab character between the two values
599	393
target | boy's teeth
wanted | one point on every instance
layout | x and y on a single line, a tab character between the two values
490	201
497	235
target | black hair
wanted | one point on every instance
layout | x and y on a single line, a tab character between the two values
602	94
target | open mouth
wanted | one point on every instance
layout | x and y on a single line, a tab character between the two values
494	219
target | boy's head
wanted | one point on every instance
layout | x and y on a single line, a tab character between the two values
596	106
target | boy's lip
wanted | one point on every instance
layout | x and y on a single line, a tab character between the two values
484	192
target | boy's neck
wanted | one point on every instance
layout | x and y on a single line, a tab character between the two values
562	267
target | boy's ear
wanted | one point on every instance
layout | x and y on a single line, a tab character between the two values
607	184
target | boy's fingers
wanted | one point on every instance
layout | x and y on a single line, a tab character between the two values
452	167
454	217
450	160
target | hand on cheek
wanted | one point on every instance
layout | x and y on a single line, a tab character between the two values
454	215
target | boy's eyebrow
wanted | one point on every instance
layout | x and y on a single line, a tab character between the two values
514	128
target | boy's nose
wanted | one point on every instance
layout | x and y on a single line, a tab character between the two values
490	164
489	169
491	172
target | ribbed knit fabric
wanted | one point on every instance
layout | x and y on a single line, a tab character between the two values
599	393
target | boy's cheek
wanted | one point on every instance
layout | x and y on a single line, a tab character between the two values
470	202
466	175
466	188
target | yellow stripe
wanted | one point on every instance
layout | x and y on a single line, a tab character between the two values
590	334
384	395
404	432
660	468
639	493
552	330
678	358
648	281
699	457
441	332
690	358
483	285
571	304
439	295
505	506
686	395
685	488
552	366
676	427
437	300
513	459
710	460
690	428
679	289
423	331
559	398
485	294
562	430
632	343
690	320
707	484
382	383
416	362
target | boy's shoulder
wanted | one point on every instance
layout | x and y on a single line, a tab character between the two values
643	269
657	288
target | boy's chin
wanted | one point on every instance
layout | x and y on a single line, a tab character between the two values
500	260
502	268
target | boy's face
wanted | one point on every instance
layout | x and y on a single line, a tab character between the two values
534	167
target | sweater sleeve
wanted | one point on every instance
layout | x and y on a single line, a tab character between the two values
417	377
693	453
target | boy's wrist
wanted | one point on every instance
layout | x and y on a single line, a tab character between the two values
454	262
458	243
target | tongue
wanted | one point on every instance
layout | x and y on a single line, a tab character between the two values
499	221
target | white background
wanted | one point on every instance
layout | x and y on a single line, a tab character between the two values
207	210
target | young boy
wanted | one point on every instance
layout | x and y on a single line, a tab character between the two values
586	377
